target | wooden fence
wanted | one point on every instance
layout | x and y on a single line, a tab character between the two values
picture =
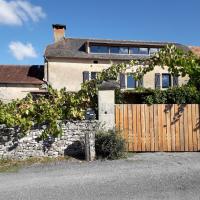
159	127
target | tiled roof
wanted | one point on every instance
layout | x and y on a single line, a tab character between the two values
22	74
195	50
76	48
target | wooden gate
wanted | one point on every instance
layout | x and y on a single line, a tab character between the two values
159	127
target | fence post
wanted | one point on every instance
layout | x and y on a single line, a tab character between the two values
106	104
89	146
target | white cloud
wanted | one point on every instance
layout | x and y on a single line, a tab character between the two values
21	51
17	12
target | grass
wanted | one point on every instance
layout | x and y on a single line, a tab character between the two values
11	165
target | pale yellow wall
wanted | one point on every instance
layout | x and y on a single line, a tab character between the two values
149	78
15	91
69	73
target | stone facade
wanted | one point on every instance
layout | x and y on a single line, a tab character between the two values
70	143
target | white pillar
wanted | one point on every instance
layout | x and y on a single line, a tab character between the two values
106	105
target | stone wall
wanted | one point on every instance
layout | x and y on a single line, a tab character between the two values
70	143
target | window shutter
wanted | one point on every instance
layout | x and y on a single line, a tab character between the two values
157	81
85	76
140	82
93	75
122	81
175	81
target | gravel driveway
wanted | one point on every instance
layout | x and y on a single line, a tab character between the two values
141	176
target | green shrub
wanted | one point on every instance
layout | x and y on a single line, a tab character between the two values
175	95
109	145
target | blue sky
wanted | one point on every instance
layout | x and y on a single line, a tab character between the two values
25	25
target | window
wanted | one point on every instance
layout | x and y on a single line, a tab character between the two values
137	50
119	50
153	50
130	81
166	80
87	76
99	49
134	50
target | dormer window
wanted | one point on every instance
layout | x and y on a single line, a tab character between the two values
99	49
138	50
112	49
119	50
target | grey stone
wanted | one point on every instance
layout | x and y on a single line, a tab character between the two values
73	131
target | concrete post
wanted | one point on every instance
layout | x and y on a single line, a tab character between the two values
90	146
106	105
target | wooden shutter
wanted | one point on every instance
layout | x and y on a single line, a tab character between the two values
122	81
157	81
85	76
140	82
175	81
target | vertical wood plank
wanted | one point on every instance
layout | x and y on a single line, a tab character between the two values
181	123
125	130
117	110
147	132
156	128
169	136
190	127
194	130
160	126
186	130
142	122
151	127
121	121
135	138
139	147
164	114
177	128
130	127
198	126
172	122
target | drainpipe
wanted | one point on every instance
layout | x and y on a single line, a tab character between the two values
47	70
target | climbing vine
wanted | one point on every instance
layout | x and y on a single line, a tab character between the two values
46	111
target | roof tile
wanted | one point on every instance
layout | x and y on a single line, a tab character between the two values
21	74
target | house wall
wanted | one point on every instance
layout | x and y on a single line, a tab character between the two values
9	92
69	73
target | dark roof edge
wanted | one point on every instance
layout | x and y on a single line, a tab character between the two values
23	83
24	65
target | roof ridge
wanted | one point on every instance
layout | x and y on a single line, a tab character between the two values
116	40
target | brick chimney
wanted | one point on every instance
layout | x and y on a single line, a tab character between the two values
59	32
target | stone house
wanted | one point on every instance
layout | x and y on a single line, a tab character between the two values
16	81
71	61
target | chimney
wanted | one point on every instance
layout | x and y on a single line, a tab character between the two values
59	32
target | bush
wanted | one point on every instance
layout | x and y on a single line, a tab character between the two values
176	95
109	145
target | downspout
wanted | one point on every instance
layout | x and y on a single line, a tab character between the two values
47	70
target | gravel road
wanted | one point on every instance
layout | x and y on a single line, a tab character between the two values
141	176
